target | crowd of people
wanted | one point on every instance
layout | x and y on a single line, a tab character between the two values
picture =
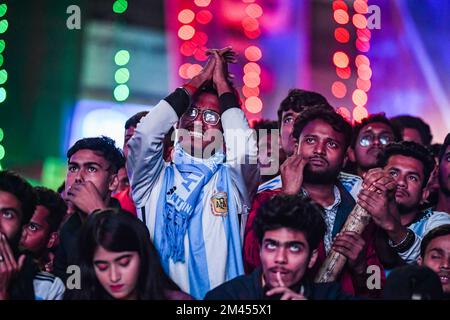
200	205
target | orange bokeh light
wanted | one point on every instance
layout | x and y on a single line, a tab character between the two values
252	79
250	24
202	3
254	10
253	53
360	6
339	89
341	16
361	59
193	70
341	35
186	16
182	71
186	32
343	111
340	59
253	104
359	97
364	85
343	73
252	67
204	16
364	72
359	21
360	113
249	92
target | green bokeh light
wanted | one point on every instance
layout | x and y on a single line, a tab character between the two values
2	95
3	25
120	6
122	57
1	60
121	92
2	134
3	76
3	9
122	75
2	152
2	45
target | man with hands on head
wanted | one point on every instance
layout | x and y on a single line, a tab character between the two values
392	195
192	205
93	164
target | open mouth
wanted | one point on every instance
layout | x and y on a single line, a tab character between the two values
444	278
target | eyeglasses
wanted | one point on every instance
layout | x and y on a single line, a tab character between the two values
368	139
209	116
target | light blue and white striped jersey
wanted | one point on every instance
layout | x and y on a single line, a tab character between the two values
213	243
48	287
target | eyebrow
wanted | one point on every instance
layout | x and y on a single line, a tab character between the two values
11	209
381	132
289	243
407	172
85	164
438	250
126	255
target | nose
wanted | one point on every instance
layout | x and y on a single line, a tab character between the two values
446	263
376	141
79	178
114	274
320	148
401	182
281	256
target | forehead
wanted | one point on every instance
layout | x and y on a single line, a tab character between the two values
411	134
442	243
40	215
321	128
208	101
376	127
103	254
405	163
85	156
8	200
285	235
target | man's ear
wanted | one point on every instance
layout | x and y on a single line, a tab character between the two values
313	258
53	240
420	261
114	182
425	194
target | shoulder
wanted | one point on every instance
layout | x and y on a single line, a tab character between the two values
272	184
234	289
48	287
329	291
351	183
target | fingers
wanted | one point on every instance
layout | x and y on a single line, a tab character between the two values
21	262
288	294
371	176
280	281
8	254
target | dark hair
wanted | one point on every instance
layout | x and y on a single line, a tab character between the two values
105	146
294	212
117	231
335	120
12	183
409	149
135	119
263	124
299	100
54	203
407	121
207	87
444	147
442	230
375	118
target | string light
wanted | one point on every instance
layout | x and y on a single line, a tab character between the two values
3	73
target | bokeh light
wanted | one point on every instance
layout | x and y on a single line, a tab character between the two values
253	104
340	59
253	53
341	16
186	16
339	89
204	16
359	97
186	32
360	113
341	35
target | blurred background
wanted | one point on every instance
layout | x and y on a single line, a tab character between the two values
78	68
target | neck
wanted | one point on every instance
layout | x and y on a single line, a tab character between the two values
443	202
360	171
407	218
321	193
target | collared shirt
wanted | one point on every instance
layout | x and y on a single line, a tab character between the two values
330	216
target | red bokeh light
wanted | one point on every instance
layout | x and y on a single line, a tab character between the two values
364	85
250	24
249	92
200	38
343	111
188	48
360	6
341	35
340	4
204	16
343	73
252	34
200	54
362	46
364	34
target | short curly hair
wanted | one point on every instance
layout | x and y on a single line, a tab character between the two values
409	149
442	230
406	121
294	212
335	120
55	205
105	146
12	183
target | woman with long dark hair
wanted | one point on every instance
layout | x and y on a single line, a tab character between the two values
118	261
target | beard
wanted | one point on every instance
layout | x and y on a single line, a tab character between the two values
328	176
406	209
